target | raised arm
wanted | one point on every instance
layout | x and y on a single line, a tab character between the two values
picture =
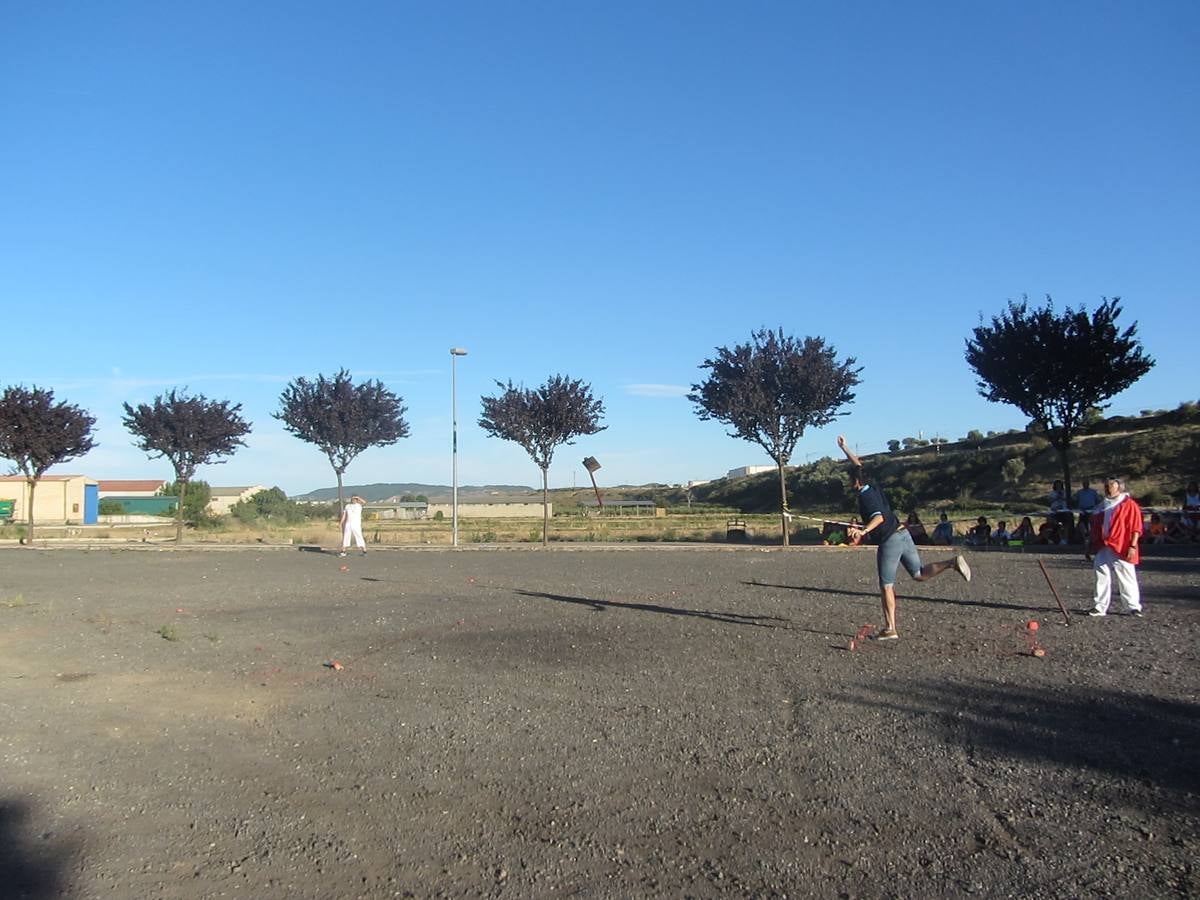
850	454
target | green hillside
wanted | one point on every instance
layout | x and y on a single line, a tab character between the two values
1157	454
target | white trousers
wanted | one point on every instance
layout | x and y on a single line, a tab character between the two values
354	531
1109	568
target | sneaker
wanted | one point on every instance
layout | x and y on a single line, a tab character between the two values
343	553
962	568
886	635
363	553
1136	613
1096	614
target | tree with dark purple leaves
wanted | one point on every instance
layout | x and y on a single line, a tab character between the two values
37	433
770	389
188	432
1058	369
540	420
341	418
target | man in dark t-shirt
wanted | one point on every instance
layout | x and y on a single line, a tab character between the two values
880	526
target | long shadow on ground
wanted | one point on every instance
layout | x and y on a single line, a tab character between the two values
901	595
1126	735
600	605
29	870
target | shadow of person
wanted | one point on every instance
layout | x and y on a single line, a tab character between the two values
729	618
29	869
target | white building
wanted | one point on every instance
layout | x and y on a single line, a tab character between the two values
223	499
748	470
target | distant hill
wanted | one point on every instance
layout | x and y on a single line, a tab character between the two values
436	493
1157	454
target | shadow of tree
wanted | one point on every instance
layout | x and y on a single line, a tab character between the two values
901	596
1126	735
29	870
728	618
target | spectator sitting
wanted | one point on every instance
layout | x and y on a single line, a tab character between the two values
1180	530
1024	532
1156	532
1048	532
835	533
943	531
916	529
980	533
1000	536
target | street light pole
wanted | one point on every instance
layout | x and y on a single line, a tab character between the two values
455	352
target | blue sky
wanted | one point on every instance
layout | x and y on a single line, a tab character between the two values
225	196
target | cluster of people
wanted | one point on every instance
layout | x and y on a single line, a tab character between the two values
1114	534
1182	527
1068	521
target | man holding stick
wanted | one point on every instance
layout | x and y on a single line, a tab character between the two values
1116	532
896	546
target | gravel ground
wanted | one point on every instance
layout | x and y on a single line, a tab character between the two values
598	722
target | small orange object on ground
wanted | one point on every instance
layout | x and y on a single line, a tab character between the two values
335	665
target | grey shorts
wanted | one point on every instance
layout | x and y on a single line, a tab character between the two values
899	548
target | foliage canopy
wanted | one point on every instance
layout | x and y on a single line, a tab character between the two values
770	389
188	431
542	419
37	433
1058	369
773	387
342	419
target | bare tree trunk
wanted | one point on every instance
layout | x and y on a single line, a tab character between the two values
341	502
1063	446
545	507
783	516
179	511
29	531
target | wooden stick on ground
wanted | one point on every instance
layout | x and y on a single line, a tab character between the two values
1054	591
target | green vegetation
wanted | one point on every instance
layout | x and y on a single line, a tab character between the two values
1011	472
272	508
168	633
196	497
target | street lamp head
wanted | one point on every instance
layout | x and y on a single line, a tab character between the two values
457	351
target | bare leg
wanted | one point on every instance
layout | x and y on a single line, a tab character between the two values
932	570
888	594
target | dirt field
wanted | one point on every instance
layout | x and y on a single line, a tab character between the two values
588	721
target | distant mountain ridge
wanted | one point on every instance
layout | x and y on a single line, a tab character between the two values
373	493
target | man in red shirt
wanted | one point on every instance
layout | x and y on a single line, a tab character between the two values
1116	532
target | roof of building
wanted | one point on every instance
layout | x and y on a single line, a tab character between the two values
234	491
130	486
44	478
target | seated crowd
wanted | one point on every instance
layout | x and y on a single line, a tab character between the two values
1062	524
1065	523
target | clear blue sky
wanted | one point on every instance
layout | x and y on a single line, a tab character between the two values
224	196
